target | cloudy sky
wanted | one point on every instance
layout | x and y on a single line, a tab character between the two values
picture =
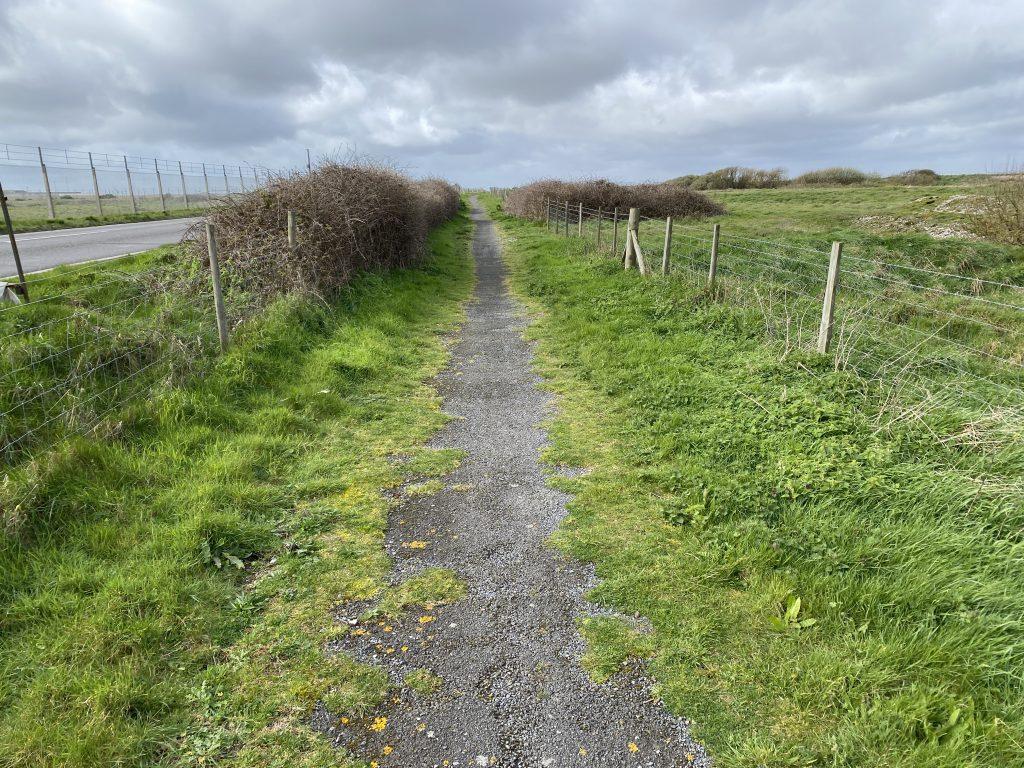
497	93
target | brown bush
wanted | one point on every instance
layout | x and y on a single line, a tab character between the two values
663	199
1001	216
349	218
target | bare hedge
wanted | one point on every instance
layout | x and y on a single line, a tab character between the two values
663	199
349	218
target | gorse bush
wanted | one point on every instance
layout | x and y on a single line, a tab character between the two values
663	199
917	177
832	176
735	177
349	218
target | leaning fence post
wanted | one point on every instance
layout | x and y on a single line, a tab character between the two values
206	183
218	295
579	223
293	238
227	187
160	186
184	189
615	232
828	307
630	257
566	218
96	186
241	181
600	215
131	192
46	184
713	267
547	214
666	254
14	244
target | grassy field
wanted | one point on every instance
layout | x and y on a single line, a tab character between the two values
166	582
824	588
29	212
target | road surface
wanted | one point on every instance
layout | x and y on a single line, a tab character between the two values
43	250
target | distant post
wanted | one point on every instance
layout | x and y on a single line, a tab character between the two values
547	214
131	191
615	232
630	260
566	218
184	188
241	181
96	187
713	268
666	254
828	307
14	244
160	186
206	183
579	224
218	295
46	184
227	187
600	216
293	238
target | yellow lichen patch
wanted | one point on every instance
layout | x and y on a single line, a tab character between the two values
427	619
415	544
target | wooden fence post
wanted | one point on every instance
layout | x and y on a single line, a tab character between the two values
828	307
184	189
227	187
547	214
713	267
666	254
600	217
630	258
566	218
206	183
160	186
14	244
96	187
293	238
241	181
131	191
579	224
615	232
46	184
218	295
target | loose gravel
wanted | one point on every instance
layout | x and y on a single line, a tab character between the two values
512	691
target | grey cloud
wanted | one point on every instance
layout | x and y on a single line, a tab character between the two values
502	92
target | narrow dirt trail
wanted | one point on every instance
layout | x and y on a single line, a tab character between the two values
513	691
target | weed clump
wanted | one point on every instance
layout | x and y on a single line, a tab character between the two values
735	177
348	217
661	199
1000	217
918	177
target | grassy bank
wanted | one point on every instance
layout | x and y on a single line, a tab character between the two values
821	592
29	222
167	590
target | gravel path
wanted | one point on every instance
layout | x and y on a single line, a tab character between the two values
512	690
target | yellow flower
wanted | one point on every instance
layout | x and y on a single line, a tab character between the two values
426	619
633	747
379	723
690	757
388	750
344	721
583	752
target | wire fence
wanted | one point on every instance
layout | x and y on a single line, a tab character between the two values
48	183
942	348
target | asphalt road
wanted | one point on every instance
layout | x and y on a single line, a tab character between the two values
43	250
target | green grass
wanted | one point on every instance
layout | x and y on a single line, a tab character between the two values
731	476
167	585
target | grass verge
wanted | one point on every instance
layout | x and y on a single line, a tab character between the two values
820	592
69	222
167	598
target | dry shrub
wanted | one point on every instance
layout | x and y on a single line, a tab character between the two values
918	177
349	218
832	177
663	199
1001	216
735	177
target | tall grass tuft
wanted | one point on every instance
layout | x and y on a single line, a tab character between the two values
832	177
